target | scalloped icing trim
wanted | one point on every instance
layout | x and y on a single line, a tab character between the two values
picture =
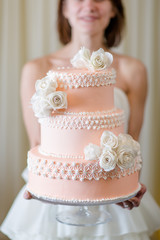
76	171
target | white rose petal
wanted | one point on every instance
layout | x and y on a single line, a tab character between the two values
85	53
92	152
40	106
45	86
139	159
126	156
124	139
108	160
108	59
57	100
101	59
109	139
81	59
98	59
136	147
34	98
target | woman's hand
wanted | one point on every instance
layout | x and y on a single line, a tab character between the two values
135	201
27	195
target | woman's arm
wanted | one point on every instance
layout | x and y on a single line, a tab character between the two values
137	85
30	73
136	79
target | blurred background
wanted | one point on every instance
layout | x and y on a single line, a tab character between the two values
28	31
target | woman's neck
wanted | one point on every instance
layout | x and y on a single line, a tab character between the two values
93	42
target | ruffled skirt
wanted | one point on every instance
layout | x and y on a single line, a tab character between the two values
35	220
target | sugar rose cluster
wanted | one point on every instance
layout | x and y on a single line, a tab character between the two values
121	151
46	98
98	60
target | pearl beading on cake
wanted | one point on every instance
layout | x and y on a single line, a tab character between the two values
75	171
88	113
85	202
95	122
76	80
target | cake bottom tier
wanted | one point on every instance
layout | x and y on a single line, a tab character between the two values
78	181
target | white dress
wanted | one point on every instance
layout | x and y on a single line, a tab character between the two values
34	220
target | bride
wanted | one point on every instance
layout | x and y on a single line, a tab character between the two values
94	24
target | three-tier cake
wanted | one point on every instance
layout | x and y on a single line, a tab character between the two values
84	155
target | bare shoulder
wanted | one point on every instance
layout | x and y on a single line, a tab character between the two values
36	68
134	72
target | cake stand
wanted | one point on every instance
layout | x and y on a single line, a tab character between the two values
84	213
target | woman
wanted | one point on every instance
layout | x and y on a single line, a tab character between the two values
88	21
94	24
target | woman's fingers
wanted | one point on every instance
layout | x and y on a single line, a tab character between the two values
27	195
141	192
125	204
135	201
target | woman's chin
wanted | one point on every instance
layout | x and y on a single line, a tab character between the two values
88	29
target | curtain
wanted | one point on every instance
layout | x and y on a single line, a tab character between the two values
28	31
141	41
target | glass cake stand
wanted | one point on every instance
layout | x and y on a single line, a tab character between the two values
84	213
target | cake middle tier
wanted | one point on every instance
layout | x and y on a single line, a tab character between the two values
67	135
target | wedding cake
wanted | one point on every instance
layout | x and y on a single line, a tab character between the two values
84	155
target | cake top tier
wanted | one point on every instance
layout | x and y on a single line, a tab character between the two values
88	70
63	88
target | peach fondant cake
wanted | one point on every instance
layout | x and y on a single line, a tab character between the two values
84	155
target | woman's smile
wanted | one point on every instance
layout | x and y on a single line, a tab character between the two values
88	18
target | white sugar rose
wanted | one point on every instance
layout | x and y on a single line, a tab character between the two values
100	60
41	107
126	139
84	53
81	59
92	152
136	147
126	156
139	161
109	140
46	86
57	100
108	160
34	98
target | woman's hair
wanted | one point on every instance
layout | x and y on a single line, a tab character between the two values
112	34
